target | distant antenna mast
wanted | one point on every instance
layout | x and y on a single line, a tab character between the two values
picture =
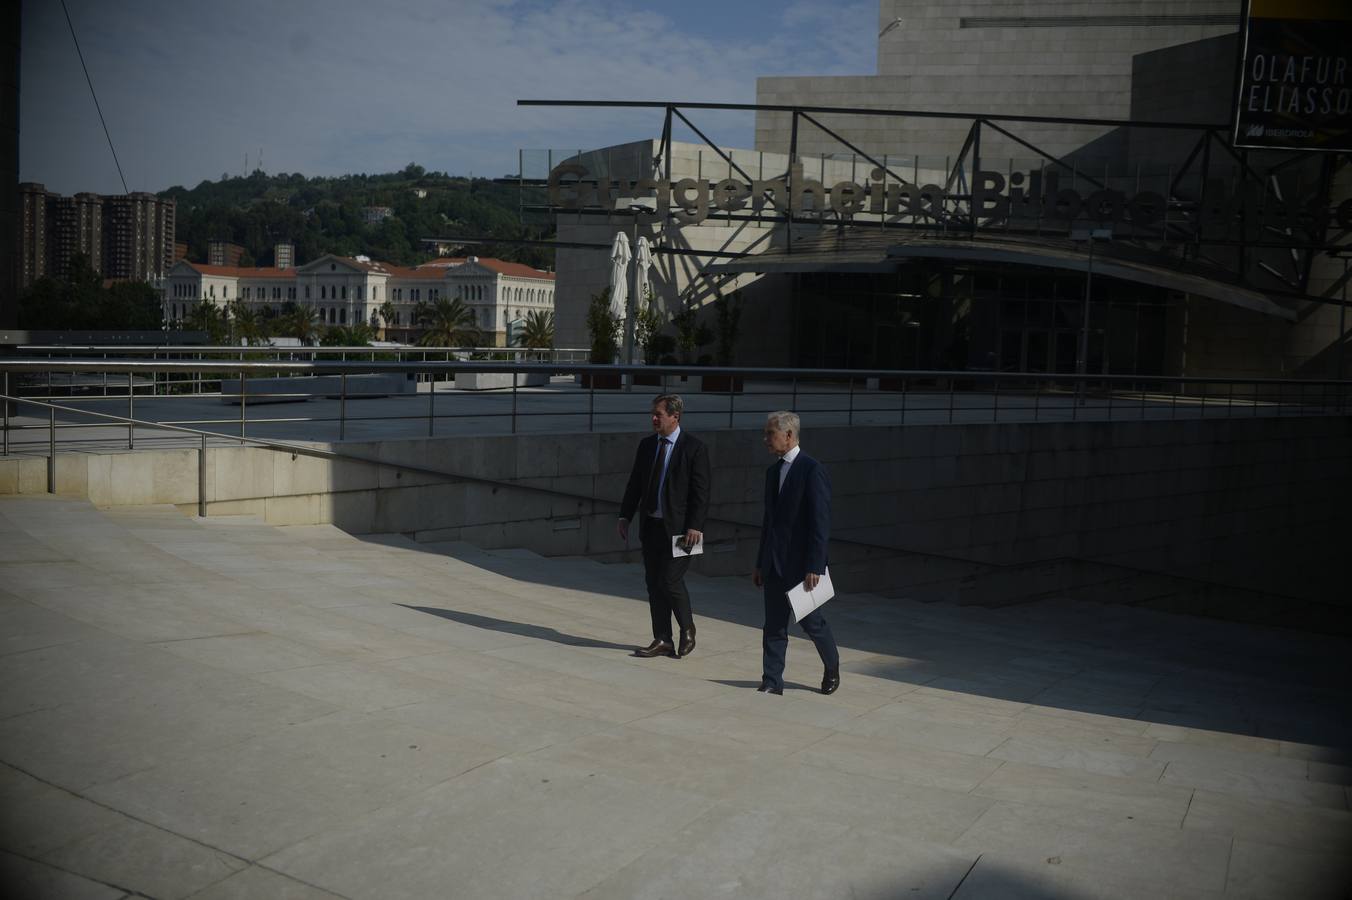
260	159
245	173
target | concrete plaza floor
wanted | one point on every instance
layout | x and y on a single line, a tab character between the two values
224	709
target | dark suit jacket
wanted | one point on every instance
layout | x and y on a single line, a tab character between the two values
797	521
685	494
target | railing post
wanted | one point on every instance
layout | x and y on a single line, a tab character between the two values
6	414
431	401
591	403
342	405
51	451
131	410
732	397
243	391
202	478
515	376
995	406
903	401
849	409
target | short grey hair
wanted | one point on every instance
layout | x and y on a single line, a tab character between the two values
784	421
672	403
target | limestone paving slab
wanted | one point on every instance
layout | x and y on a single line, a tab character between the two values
1268	870
559	827
1102	843
1055	753
739	853
257	797
159	863
1231	781
1270	821
23	877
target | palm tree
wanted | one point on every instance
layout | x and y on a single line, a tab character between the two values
246	324
448	323
538	332
300	323
386	316
356	335
207	316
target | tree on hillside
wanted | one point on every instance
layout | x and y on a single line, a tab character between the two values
448	323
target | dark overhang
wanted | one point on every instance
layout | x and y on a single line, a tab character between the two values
860	253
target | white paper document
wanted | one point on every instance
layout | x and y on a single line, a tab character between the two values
678	547
804	601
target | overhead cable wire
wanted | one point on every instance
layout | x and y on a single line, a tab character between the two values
90	81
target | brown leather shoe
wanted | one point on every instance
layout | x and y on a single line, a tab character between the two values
656	648
830	680
687	643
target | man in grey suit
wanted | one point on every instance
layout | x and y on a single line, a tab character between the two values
794	532
669	488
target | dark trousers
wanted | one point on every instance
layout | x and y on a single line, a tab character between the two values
775	640
666	580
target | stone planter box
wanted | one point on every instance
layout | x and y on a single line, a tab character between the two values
273	390
488	381
722	384
603	381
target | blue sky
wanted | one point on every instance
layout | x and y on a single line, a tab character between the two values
189	88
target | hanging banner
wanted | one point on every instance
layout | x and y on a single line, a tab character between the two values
1295	87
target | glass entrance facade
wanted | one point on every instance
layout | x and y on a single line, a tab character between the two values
1014	319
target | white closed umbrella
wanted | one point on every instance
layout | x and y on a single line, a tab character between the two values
619	274
643	259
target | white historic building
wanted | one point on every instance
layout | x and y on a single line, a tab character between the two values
345	290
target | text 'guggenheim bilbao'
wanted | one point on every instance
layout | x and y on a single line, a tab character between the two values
994	198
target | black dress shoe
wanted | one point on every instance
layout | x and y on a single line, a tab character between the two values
656	648
767	688
687	643
830	680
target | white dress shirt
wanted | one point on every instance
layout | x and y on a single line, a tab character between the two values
788	461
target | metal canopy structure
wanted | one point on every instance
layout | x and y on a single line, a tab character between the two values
1218	222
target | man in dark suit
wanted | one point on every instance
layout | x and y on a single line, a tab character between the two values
669	489
794	532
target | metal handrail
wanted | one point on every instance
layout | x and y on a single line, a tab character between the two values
299	449
294	448
335	367
1080	396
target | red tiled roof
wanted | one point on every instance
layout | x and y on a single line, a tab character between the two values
426	273
433	269
520	270
241	271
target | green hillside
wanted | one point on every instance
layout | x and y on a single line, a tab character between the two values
324	215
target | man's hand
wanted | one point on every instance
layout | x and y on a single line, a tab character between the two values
810	580
756	578
622	528
692	538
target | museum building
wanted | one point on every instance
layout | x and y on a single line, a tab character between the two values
1014	190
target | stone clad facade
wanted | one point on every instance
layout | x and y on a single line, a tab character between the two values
346	290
